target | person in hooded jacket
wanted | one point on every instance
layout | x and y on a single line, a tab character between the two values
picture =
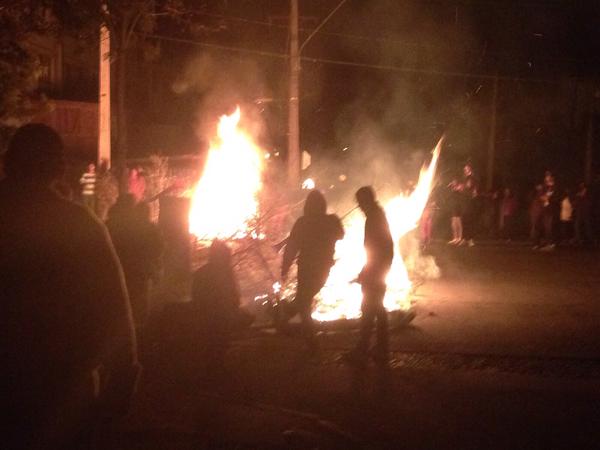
312	240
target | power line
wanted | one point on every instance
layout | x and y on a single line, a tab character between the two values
379	40
338	62
216	46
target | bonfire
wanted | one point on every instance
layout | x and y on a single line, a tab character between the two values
224	205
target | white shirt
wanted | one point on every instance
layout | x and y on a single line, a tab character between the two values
566	210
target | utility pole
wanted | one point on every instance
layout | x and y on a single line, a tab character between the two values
104	98
293	161
491	153
294	100
589	148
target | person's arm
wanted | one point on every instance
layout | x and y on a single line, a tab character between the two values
291	249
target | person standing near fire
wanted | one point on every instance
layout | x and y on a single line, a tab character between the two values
380	253
312	240
88	188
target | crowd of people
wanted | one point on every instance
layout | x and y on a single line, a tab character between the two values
75	292
546	217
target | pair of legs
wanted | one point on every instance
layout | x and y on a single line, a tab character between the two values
566	231
468	223
546	235
373	311
310	282
89	201
457	229
543	229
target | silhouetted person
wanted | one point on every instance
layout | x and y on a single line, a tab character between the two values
549	212
216	302
88	187
312	240
584	233
139	246
456	206
380	253
67	343
470	210
536	207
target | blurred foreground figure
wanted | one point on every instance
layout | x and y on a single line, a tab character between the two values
68	351
312	240
139	245
380	253
216	303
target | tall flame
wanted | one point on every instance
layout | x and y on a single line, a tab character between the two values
224	200
341	298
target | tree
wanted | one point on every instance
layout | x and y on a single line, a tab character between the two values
19	70
129	23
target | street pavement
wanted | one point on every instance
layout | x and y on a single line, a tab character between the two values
504	353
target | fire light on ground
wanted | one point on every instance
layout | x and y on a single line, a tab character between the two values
224	201
341	298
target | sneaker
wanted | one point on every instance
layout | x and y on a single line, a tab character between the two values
548	248
453	242
461	242
471	243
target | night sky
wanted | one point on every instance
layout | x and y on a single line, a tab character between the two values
401	72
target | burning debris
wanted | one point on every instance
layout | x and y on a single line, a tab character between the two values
341	297
225	201
225	205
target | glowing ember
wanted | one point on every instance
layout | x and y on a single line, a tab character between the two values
224	200
341	298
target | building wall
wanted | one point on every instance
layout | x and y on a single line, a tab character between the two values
77	123
70	80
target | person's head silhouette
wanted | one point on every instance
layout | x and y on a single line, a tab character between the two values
34	155
315	204
365	197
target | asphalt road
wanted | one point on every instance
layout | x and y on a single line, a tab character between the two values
504	353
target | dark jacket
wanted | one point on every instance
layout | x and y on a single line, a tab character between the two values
378	245
313	239
216	295
64	309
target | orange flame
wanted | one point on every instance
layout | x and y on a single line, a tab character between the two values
225	199
340	298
